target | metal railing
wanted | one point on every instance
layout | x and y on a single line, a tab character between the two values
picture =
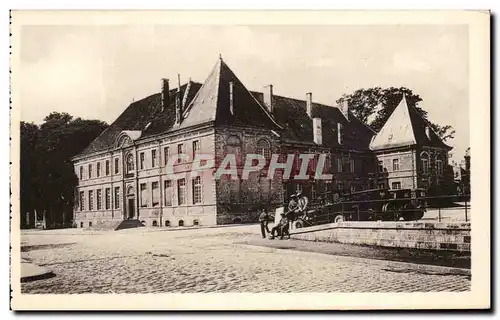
434	208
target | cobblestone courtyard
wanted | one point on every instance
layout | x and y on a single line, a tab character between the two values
207	260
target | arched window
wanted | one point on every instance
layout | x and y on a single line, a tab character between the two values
181	223
155	224
130	163
167	223
90	224
81	224
264	148
424	159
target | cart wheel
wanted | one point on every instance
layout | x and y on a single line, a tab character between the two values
338	218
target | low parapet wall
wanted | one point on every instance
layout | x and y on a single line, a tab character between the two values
433	236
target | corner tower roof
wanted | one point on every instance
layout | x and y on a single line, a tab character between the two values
406	126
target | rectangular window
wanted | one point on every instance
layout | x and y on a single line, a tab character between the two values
339	164
439	167
117	197
144	195
298	188
380	166
81	173
168	192
197	190
82	200
166	155
90	171
351	165
153	158
196	147
340	186
395	164
180	150
181	191
98	169
156	193
107	203
381	185
99	199
91	200
425	166
107	168
141	159
396	185
117	167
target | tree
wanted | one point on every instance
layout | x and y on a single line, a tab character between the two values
49	180
364	102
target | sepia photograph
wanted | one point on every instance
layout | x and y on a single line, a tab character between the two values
252	160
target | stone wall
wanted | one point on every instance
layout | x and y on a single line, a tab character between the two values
435	236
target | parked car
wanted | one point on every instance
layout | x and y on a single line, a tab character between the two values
368	205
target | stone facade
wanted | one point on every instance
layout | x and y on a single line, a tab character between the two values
124	173
454	236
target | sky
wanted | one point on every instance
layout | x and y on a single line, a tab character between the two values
95	72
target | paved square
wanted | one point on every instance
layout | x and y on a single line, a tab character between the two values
206	260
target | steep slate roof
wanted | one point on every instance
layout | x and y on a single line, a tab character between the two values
137	116
291	114
405	126
209	102
212	103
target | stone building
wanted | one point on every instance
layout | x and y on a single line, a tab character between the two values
409	153
123	174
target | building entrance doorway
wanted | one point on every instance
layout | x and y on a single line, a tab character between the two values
131	208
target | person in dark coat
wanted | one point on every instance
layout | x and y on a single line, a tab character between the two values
264	221
281	228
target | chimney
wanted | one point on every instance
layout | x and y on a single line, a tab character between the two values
309	104
268	97
231	95
178	107
318	131
164	94
344	108
340	133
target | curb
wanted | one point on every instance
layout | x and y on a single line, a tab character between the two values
32	272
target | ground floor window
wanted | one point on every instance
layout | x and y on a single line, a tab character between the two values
91	200
117	197
144	196
82	200
167	223
156	193
99	199
108	198
168	192
181	223
181	192
196	222
396	185
197	190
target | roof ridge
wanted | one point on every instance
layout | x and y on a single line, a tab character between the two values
219	65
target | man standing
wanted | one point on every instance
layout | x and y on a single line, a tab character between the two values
264	221
302	203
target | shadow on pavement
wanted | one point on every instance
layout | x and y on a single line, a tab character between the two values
419	256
